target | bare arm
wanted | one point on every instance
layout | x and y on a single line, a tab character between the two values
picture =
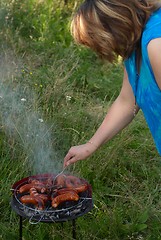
154	52
119	116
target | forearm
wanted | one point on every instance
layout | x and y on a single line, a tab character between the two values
119	116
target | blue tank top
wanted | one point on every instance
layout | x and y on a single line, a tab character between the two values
144	86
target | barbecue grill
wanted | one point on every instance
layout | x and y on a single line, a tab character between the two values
67	211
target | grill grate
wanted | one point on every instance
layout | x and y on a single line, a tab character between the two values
69	210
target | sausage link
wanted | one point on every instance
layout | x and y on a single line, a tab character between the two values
60	180
65	191
36	201
26	187
34	181
70	196
81	188
74	180
78	188
27	199
34	193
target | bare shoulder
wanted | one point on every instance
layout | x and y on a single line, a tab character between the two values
154	52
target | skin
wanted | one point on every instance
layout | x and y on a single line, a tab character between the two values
154	52
120	113
119	116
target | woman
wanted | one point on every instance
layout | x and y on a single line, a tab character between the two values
130	29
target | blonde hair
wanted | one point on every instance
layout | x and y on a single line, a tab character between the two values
111	27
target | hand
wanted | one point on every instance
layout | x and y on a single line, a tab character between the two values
80	152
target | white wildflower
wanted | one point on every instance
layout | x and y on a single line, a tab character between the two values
41	120
68	98
23	99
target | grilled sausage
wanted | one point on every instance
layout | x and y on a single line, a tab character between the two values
69	196
74	180
65	191
26	187
60	180
47	181
34	193
81	188
77	187
38	202
34	181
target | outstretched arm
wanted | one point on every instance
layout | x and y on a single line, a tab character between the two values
118	117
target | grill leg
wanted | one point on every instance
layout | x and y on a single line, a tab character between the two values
20	229
74	228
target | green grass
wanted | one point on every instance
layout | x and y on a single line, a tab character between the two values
71	90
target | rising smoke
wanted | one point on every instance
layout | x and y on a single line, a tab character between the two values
22	120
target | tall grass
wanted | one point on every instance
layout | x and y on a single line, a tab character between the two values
73	93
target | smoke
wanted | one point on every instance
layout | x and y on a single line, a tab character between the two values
22	119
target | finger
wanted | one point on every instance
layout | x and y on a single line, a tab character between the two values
68	156
70	161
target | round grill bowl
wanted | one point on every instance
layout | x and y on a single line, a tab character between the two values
69	210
